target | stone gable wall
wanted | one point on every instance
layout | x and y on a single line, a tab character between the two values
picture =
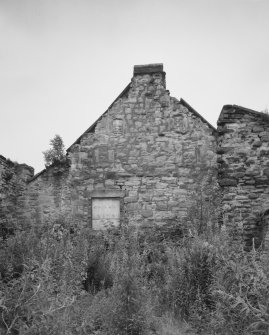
243	159
149	150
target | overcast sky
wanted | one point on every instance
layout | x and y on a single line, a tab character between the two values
62	62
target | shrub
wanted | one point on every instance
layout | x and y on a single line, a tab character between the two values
241	293
52	270
56	154
129	310
136	283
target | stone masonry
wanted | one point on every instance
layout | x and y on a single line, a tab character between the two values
149	151
13	183
152	160
243	158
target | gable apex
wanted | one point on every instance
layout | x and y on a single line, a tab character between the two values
92	127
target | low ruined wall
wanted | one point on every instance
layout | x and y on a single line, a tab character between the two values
13	181
243	159
48	195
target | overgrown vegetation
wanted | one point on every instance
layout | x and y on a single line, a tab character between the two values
76	282
10	188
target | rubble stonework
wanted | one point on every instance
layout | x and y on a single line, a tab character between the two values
13	183
48	194
243	159
148	150
156	160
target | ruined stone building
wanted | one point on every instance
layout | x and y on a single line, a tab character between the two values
151	159
13	186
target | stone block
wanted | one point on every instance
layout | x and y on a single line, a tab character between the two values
164	215
238	174
146	197
133	207
109	182
228	197
249	182
251	172
161	206
161	185
159	198
169	180
253	196
228	182
266	172
265	138
223	150
257	129
257	143
130	199
172	204
241	197
146	213
264	152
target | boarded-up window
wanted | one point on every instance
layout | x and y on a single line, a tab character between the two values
105	212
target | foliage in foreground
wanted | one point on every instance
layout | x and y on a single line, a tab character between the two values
130	283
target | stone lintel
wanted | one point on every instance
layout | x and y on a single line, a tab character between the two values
107	194
148	68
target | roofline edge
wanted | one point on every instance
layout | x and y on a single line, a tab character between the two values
184	103
100	117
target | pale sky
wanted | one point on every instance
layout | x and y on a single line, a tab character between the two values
63	62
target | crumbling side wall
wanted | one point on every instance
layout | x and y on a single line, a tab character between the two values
13	181
243	173
48	195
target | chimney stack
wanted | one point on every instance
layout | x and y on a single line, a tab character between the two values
148	68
